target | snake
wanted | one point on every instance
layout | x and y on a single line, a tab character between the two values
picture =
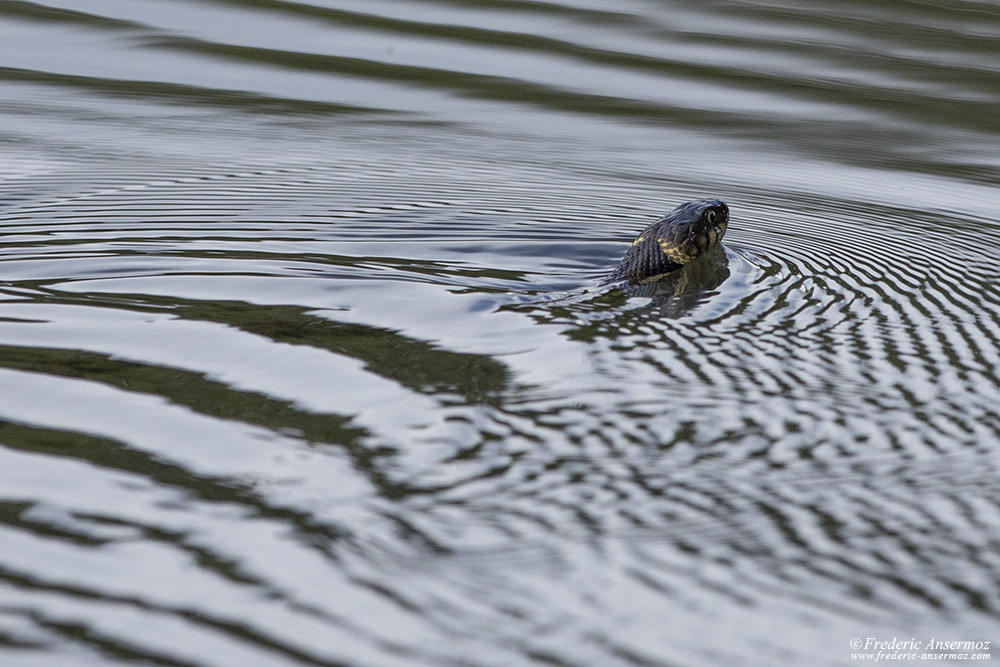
673	241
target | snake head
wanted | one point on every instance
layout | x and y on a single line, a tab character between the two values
692	228
685	233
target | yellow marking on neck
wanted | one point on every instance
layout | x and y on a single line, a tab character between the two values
673	252
639	240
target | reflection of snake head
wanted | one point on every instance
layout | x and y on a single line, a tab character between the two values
672	241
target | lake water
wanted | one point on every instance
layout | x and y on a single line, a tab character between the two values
304	358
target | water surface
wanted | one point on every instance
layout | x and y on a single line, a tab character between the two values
304	358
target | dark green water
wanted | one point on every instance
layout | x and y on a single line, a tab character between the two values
303	359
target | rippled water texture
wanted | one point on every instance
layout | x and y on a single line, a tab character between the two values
304	358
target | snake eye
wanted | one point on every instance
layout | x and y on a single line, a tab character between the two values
710	217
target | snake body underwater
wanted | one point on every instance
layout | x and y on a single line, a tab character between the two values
679	237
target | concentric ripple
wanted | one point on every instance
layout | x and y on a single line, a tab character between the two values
304	357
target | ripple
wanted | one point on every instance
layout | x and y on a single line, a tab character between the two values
299	310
